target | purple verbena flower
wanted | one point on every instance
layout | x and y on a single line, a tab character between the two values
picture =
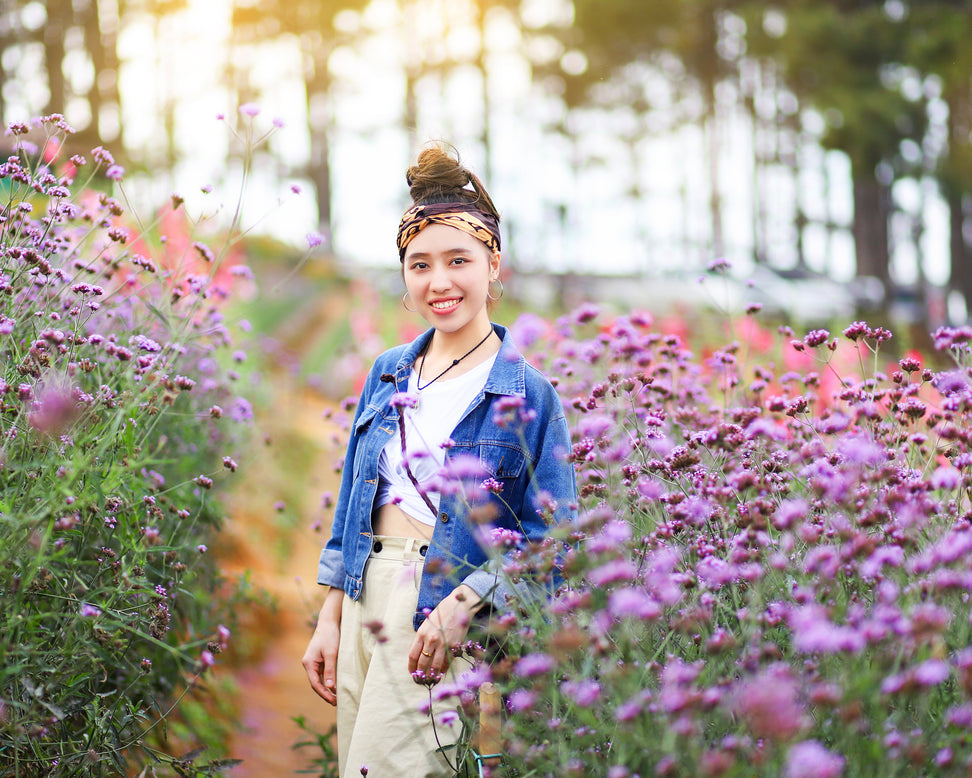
586	312
960	716
633	602
949	337
241	410
103	156
464	468
816	338
534	664
521	700
809	759
612	537
528	329
402	400
931	672
813	632
612	572
769	703
946	478
584	692
502	538
491	485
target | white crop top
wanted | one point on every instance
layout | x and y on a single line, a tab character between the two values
427	427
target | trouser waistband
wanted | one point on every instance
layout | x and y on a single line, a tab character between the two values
389	546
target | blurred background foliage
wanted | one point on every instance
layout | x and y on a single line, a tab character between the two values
816	97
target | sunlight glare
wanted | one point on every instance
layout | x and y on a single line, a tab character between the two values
33	16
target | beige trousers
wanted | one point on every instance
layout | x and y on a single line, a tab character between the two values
382	724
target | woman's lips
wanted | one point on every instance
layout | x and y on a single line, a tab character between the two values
445	306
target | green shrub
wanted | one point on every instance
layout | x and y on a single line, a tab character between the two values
118	411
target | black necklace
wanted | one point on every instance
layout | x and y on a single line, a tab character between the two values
418	382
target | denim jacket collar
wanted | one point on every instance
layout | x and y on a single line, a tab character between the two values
505	378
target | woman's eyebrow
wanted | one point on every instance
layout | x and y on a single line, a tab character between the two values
426	255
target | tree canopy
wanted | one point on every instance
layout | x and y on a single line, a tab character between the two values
886	83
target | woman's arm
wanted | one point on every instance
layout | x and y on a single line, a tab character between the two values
550	497
331	571
320	658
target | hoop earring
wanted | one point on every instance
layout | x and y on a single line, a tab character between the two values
502	290
405	305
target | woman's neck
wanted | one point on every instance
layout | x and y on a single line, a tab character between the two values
450	345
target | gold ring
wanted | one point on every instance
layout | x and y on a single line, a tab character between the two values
426	653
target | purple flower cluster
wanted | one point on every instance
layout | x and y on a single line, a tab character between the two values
110	379
770	571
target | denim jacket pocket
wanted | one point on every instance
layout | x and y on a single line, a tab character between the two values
502	461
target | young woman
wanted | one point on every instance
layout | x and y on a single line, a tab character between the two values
405	570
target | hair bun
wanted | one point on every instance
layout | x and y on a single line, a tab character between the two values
438	177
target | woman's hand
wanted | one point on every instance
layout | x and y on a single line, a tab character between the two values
445	627
320	658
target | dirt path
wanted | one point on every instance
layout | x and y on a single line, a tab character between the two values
280	550
281	560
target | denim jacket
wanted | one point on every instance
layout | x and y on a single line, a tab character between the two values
528	459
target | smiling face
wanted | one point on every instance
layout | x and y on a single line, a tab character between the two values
447	273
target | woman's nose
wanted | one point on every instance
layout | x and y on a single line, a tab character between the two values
440	280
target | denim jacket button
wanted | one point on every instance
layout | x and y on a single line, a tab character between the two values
444	518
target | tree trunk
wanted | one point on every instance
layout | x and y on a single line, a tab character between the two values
4	43
710	77
715	196
960	278
59	19
100	41
955	186
411	109
321	176
871	212
749	88
487	103
317	86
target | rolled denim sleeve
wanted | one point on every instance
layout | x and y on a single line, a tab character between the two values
330	569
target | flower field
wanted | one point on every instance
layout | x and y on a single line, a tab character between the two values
771	569
769	574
